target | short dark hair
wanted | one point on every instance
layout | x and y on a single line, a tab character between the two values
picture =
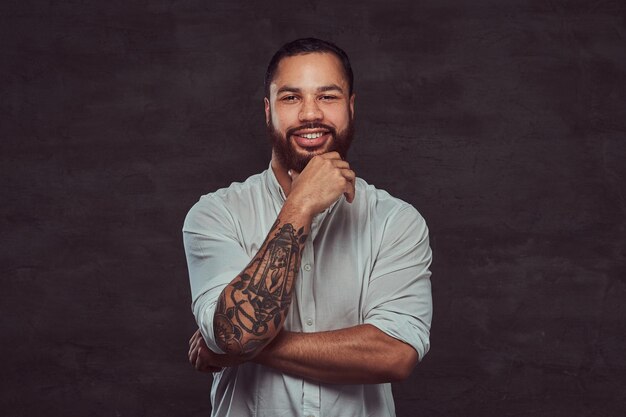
307	46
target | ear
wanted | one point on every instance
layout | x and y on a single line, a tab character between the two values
267	110
352	105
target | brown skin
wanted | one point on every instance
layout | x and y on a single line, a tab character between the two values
309	88
357	355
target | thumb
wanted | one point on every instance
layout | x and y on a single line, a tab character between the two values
293	174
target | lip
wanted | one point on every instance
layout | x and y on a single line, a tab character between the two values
307	131
310	143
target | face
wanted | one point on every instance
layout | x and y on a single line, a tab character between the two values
309	111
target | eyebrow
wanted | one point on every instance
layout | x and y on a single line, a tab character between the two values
323	89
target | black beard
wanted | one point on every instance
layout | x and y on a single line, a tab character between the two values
287	156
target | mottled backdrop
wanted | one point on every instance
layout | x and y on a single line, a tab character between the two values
503	122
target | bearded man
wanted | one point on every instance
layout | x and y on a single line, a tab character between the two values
310	287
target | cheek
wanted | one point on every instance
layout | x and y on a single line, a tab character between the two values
340	118
282	120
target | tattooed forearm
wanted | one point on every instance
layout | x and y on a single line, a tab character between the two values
252	308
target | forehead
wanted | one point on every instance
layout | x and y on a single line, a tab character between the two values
309	71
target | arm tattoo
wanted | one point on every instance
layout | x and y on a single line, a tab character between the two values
252	308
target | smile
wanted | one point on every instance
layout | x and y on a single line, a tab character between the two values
312	135
311	139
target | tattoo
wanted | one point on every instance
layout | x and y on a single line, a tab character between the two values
261	294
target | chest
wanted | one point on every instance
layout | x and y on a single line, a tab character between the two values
333	277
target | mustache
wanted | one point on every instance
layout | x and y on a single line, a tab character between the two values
291	131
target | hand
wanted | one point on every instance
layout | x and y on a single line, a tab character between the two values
205	360
322	182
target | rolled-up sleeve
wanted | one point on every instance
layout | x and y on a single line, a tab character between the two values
215	256
399	300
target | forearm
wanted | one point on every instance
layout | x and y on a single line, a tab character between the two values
251	309
357	355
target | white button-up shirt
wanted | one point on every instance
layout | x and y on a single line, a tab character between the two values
363	263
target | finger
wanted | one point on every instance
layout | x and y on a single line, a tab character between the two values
341	164
196	344
348	174
293	174
193	336
193	345
350	192
193	357
331	155
200	363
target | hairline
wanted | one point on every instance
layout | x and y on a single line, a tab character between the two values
307	46
325	88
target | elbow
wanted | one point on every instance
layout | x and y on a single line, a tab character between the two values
229	348
230	340
238	350
396	359
402	364
401	373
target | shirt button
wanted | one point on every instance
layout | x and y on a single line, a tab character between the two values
309	322
307	267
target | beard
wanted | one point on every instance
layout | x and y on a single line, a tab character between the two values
285	148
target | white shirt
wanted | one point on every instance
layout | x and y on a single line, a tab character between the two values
363	263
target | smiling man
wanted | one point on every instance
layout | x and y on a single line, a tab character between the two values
301	127
310	287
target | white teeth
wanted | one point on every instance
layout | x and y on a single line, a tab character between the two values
312	135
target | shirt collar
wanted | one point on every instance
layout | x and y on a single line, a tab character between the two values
273	186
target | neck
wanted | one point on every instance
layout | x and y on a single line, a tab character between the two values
281	175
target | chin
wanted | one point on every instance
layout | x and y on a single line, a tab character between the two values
311	152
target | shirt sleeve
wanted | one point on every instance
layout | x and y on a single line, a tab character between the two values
399	300
215	256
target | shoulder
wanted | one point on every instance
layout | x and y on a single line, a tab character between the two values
236	191
399	234
220	206
385	208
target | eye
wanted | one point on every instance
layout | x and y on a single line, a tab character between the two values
328	97
289	99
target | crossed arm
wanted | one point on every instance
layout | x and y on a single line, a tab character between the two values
361	354
250	313
251	309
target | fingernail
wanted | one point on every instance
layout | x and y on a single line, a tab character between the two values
289	172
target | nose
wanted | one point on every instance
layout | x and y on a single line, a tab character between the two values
310	111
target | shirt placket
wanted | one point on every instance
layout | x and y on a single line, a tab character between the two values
310	390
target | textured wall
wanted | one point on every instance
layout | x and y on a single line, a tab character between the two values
503	122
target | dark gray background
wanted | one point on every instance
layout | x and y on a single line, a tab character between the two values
503	122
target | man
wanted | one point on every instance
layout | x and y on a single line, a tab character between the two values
310	287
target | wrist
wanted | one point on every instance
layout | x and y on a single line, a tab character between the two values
299	209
